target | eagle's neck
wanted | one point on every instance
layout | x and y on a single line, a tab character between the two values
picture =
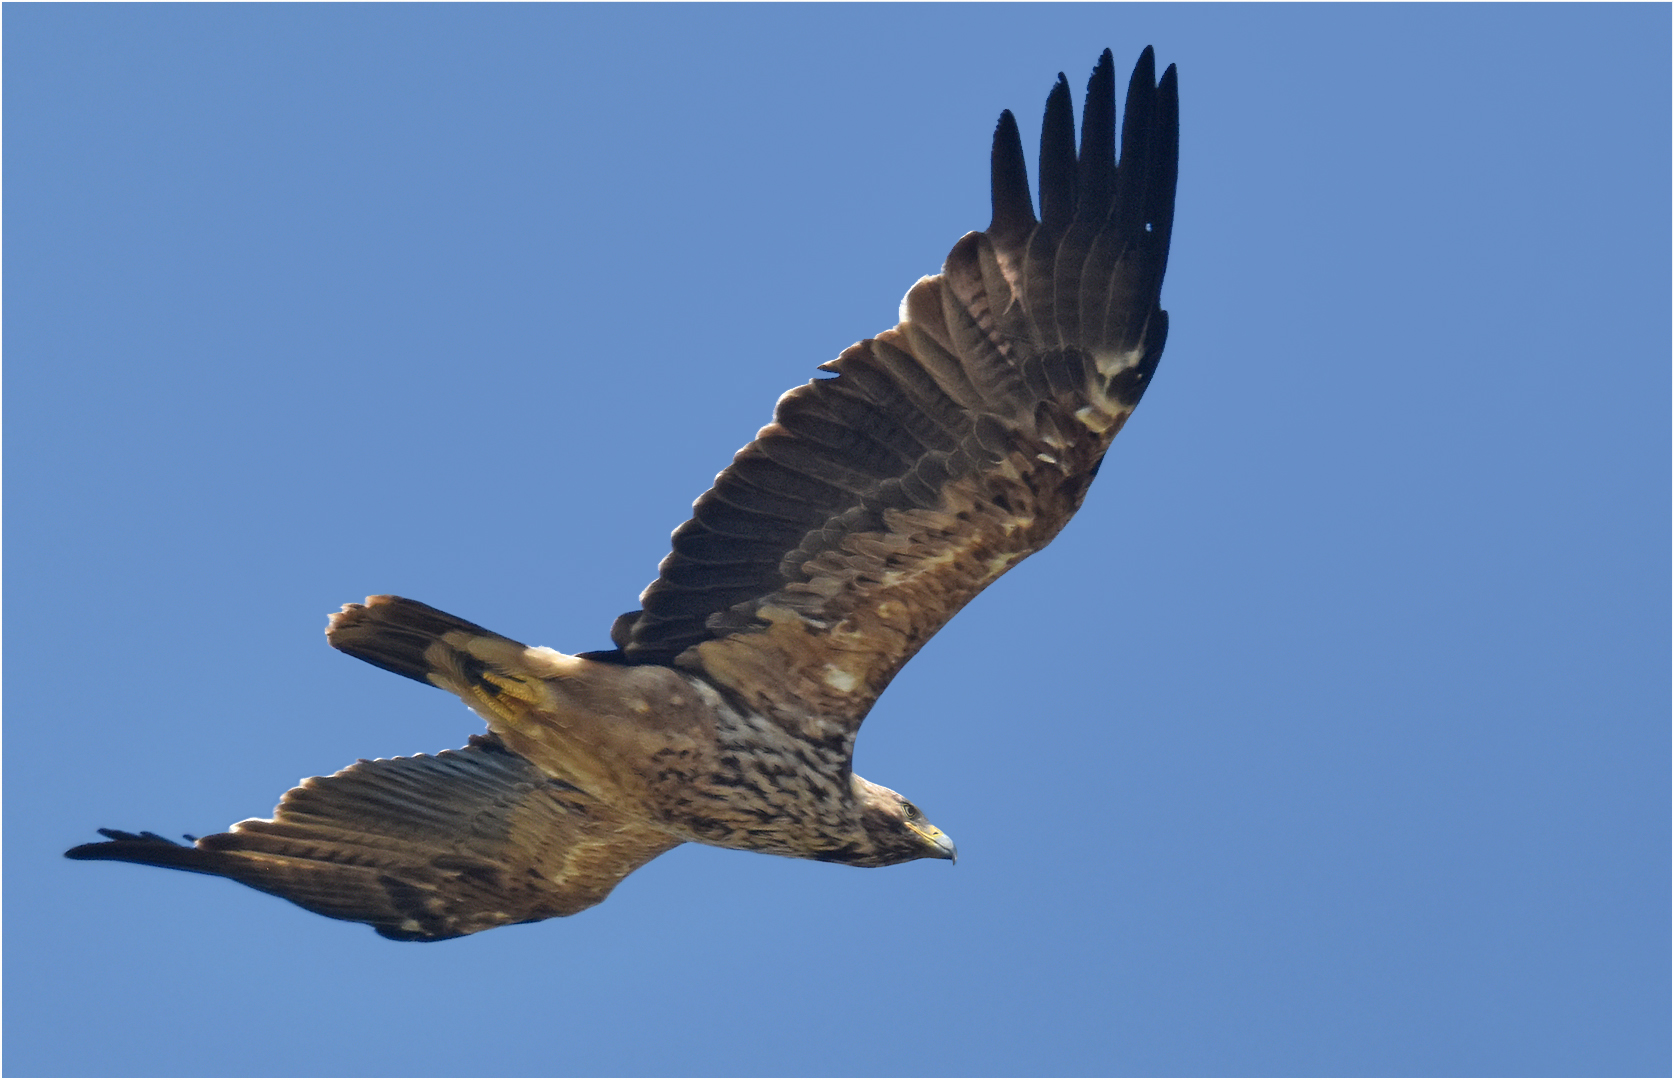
765	789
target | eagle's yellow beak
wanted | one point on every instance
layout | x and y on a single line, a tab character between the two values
939	843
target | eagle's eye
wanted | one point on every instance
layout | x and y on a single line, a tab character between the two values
909	809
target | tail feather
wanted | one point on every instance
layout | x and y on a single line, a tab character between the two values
503	680
397	634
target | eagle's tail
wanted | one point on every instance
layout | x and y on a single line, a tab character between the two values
502	679
407	637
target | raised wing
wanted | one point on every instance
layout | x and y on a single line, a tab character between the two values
422	848
946	450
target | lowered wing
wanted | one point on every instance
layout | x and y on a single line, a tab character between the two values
421	848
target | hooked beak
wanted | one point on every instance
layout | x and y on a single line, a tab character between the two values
939	843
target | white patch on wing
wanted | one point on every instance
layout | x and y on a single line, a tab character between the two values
999	564
839	680
1109	363
1099	419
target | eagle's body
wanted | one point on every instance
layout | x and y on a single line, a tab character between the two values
876	505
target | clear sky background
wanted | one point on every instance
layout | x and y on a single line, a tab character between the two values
1331	737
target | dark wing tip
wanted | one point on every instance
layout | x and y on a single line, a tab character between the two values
1014	209
141	847
1096	169
1166	154
1147	64
1057	157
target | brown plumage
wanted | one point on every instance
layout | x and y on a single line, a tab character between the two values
875	505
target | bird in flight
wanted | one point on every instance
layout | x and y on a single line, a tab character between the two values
877	503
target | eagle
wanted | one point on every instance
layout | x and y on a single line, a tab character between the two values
876	505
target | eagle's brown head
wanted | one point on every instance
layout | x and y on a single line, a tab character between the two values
897	830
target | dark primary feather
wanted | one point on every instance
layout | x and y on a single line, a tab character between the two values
1014	211
1057	158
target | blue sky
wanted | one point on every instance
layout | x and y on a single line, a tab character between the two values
1331	737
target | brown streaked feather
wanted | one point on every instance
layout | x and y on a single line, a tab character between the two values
944	451
422	848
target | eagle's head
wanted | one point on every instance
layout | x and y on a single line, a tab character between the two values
897	830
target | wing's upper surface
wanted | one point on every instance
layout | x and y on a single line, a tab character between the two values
945	450
422	848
